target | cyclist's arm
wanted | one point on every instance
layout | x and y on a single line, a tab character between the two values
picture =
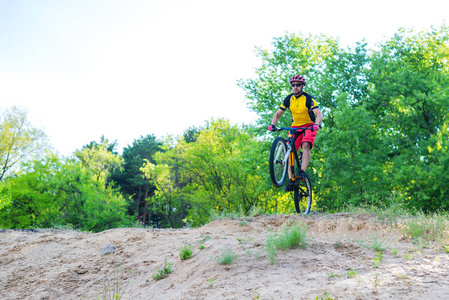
276	116
319	116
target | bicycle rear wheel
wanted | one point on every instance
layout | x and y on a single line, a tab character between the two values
278	168
303	196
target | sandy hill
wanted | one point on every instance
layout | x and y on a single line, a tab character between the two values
339	262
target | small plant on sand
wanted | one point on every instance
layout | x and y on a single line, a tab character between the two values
211	282
243	223
255	211
404	279
226	257
224	214
337	244
376	282
351	273
270	248
113	288
204	239
289	237
378	259
162	273
325	296
186	252
332	275
377	244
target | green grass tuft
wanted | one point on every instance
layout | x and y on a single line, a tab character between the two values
226	257
289	237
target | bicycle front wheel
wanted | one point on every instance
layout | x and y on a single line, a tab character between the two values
278	167
303	196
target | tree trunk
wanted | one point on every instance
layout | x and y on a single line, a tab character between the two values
138	203
146	203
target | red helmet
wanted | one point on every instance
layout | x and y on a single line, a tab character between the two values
298	78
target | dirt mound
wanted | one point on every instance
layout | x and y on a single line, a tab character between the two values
340	262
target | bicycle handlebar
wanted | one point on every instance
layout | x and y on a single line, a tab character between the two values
292	129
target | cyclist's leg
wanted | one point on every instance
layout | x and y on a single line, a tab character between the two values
306	149
306	146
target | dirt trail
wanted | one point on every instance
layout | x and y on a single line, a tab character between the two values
339	262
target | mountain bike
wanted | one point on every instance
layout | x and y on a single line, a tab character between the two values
284	154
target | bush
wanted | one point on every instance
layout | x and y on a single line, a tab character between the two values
185	253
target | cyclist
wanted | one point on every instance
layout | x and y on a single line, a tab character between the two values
302	117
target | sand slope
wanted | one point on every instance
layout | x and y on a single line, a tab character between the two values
58	264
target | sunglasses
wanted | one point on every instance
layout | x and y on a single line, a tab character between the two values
296	84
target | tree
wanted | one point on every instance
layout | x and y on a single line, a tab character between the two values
19	141
100	158
352	161
337	78
167	200
409	97
386	117
220	171
131	179
54	192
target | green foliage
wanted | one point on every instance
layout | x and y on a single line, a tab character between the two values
134	185
99	159
384	145
429	228
410	79
352	160
386	133
53	191
185	252
227	257
164	271
113	288
352	273
221	171
292	54
5	196
325	296
378	244
378	259
19	141
289	236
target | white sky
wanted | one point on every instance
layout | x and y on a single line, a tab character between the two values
128	68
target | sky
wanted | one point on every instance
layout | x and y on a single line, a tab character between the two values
128	68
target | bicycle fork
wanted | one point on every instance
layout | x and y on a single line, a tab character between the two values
292	166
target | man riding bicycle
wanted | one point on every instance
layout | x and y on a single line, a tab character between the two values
305	113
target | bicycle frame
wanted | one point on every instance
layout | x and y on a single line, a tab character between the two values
292	156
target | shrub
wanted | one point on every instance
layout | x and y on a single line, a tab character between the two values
186	252
162	273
